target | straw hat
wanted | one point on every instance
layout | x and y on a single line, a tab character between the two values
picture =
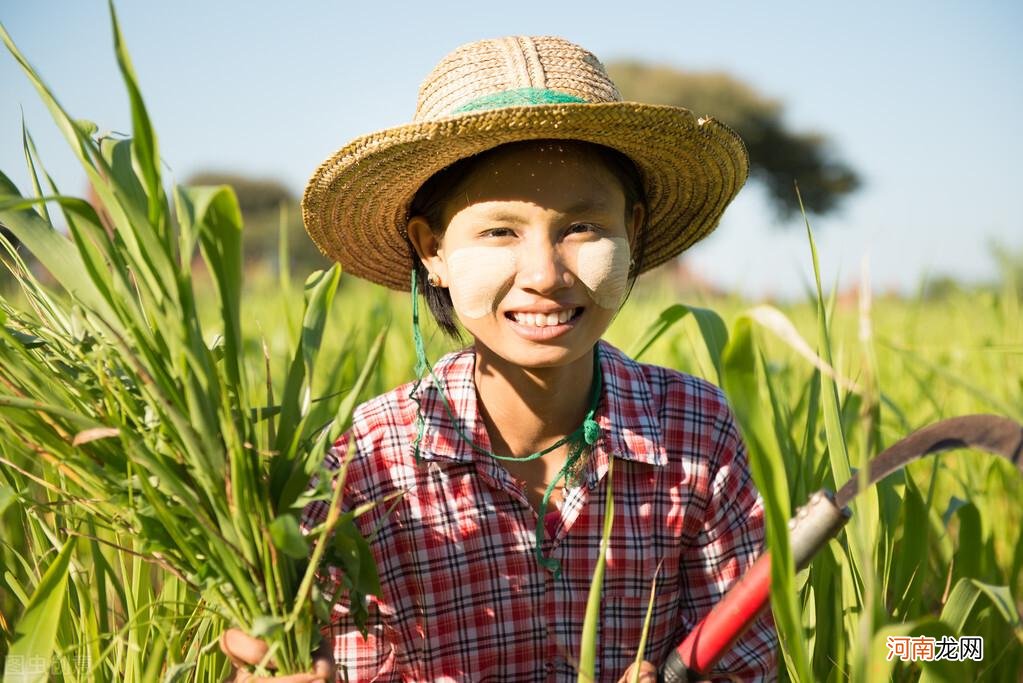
493	92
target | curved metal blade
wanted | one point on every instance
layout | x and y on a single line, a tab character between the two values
991	433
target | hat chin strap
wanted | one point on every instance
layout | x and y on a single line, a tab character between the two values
584	436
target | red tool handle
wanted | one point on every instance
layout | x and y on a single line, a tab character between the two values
713	636
819	520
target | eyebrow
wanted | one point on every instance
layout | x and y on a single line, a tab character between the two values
503	217
582	206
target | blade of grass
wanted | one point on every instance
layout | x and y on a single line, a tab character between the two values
644	634
712	328
742	386
35	636
588	642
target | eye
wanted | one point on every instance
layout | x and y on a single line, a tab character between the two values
498	232
582	229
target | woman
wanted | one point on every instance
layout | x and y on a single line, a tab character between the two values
525	198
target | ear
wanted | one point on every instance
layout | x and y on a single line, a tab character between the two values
429	247
636	224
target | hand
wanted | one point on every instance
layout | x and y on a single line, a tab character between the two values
647	673
243	650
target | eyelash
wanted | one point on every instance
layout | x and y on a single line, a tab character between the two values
590	227
509	232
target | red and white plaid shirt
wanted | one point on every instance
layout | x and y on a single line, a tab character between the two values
464	598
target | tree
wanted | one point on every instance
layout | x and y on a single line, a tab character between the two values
778	155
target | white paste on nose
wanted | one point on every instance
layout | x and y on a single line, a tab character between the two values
603	266
477	277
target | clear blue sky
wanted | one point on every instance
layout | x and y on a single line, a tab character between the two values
923	98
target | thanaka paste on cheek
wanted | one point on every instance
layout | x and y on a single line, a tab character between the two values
477	276
603	266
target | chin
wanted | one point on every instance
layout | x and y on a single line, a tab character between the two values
533	355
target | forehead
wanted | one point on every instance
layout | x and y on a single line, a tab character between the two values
552	174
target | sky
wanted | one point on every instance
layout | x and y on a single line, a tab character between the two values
917	96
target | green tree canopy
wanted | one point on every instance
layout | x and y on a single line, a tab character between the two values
778	155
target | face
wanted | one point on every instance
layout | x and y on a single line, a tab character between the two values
535	253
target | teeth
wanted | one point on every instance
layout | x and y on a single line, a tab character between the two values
544	319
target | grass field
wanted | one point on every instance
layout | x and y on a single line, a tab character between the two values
158	423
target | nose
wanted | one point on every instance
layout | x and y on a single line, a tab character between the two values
542	268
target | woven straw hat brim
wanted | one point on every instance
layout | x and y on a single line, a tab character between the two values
356	204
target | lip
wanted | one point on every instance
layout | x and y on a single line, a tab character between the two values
547	332
544	308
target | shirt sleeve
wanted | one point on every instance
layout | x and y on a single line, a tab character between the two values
731	539
357	657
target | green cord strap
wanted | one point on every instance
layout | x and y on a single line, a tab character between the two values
584	436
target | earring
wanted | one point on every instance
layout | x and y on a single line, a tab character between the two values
433	279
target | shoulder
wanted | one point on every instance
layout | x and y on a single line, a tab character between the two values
387	425
672	394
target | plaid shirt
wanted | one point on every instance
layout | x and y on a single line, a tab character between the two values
464	598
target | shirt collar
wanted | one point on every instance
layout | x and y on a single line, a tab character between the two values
629	427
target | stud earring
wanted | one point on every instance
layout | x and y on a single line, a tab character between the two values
433	279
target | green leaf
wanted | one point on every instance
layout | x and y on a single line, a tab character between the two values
742	386
53	250
265	625
965	595
35	635
296	399
356	558
588	642
178	672
144	147
645	633
287	537
911	556
969	554
880	667
712	329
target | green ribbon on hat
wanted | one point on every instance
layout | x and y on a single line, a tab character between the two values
521	97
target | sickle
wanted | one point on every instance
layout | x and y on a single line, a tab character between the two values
818	521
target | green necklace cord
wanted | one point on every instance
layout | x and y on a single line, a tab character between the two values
584	436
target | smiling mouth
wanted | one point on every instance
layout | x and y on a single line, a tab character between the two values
544	319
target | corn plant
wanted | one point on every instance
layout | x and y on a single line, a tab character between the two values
158	478
934	551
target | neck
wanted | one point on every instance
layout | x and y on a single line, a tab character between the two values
528	409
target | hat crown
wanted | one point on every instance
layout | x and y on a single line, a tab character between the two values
528	64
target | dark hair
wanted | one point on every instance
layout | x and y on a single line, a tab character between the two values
431	198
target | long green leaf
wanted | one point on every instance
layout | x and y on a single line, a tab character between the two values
591	620
965	595
712	328
742	386
35	636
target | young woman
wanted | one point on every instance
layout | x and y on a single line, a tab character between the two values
524	199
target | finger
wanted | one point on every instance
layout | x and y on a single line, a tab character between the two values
647	673
323	661
241	647
244	677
